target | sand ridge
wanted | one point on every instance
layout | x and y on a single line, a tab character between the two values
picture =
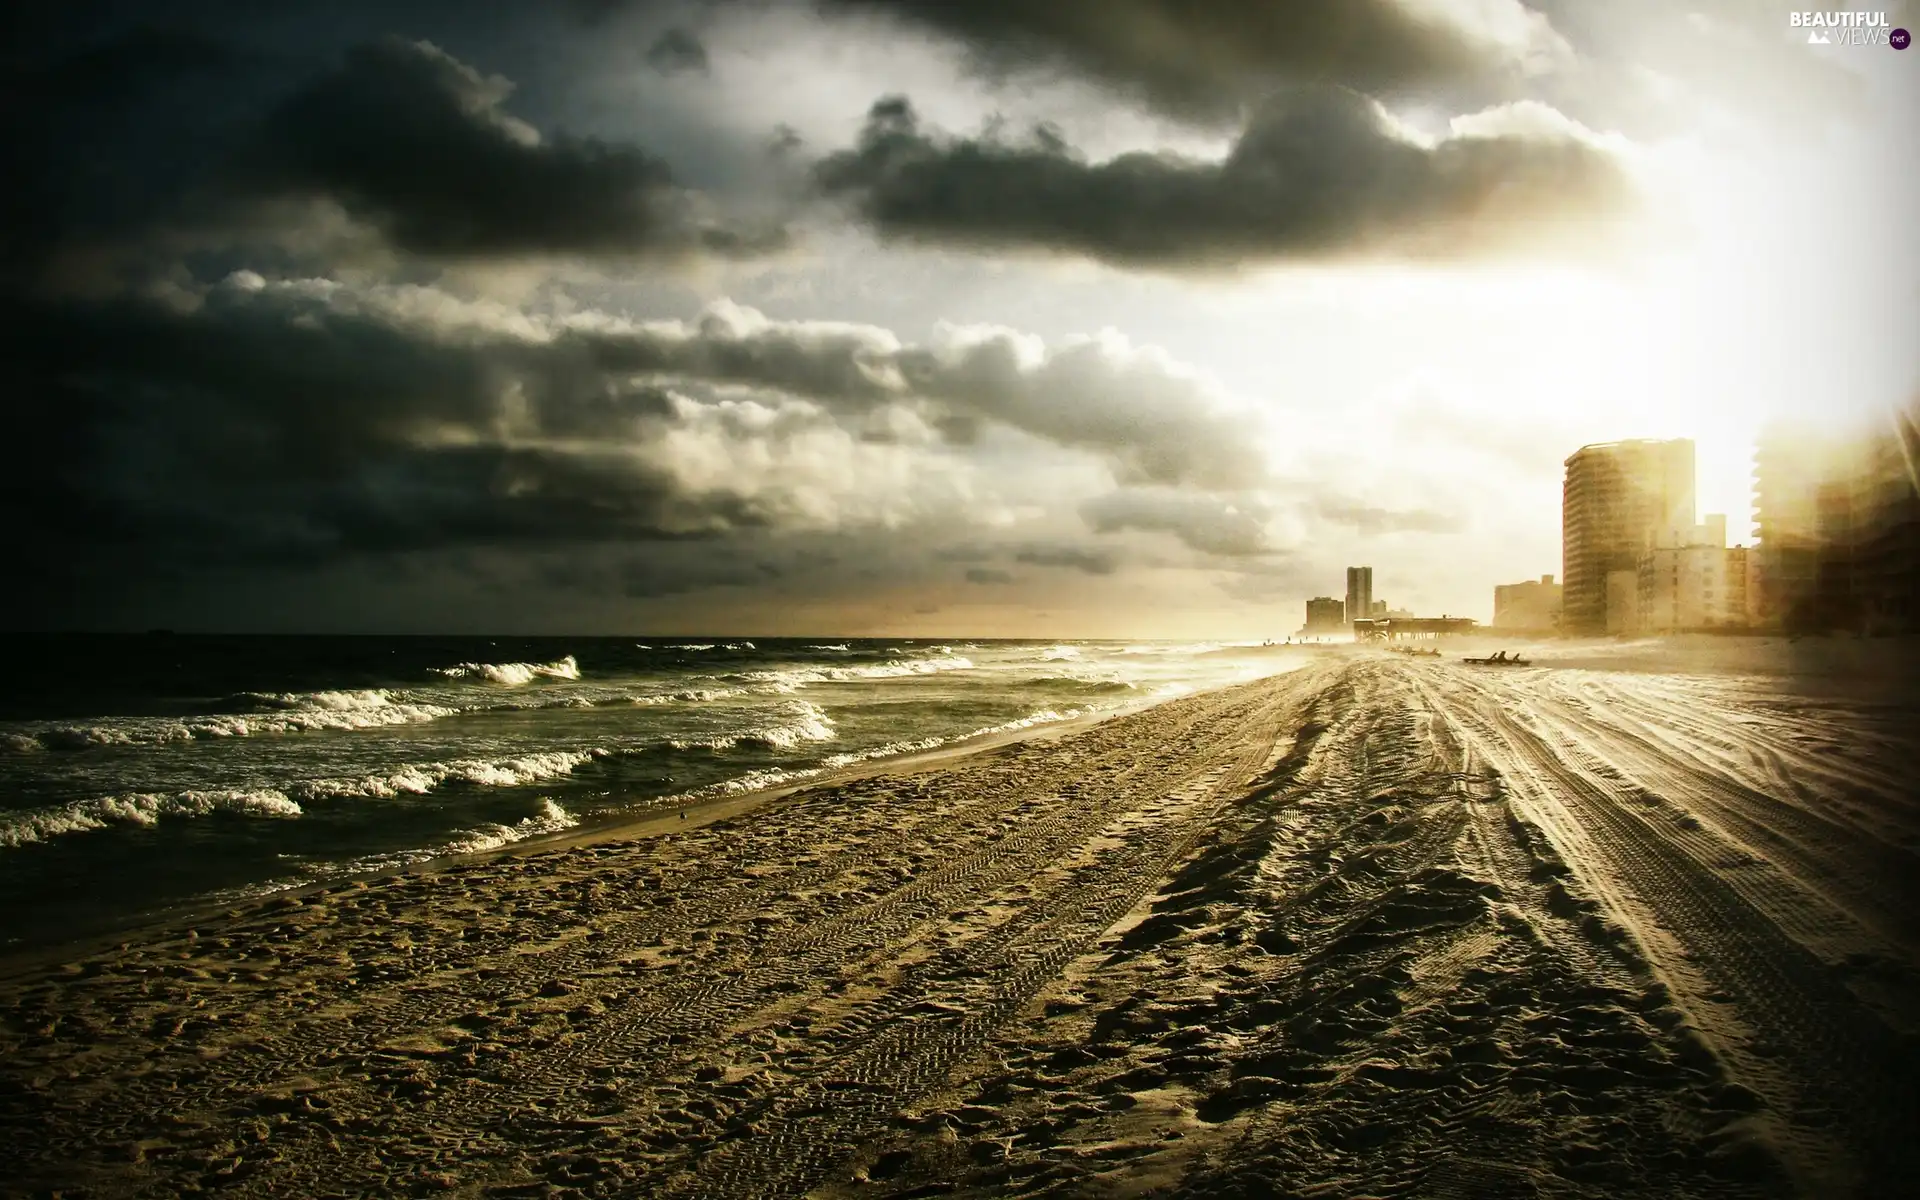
1375	927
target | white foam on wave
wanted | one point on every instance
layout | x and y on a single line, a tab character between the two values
692	696
841	648
139	808
807	723
288	713
787	678
513	674
417	779
1060	654
550	819
891	749
752	781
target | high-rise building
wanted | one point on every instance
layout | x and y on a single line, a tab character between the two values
1690	579
1533	605
1618	496
1325	615
1359	593
1838	517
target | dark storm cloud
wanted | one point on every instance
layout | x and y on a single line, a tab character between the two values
988	576
1318	173
419	144
296	424
1092	562
677	51
1150	421
1205	60
1216	525
265	429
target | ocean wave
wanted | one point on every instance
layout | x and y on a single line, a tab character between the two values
809	723
899	668
1060	654
550	819
139	808
417	779
692	696
1089	683
752	781
841	648
284	713
513	674
892	749
693	646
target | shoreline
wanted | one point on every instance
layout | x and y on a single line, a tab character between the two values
1369	927
655	821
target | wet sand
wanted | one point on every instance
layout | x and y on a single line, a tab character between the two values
1377	927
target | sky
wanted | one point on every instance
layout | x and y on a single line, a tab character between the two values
1091	318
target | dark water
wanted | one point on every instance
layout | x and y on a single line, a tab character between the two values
143	773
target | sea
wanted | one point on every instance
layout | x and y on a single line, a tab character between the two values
146	776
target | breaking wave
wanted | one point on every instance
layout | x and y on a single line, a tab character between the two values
550	819
693	696
513	674
891	749
492	836
270	713
753	781
809	724
138	808
417	779
899	668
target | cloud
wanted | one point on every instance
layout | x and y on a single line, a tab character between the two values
299	422
1207	60
1216	525
678	51
1372	519
1318	173
1151	419
406	137
988	575
274	425
1092	562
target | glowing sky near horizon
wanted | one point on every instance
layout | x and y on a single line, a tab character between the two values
864	316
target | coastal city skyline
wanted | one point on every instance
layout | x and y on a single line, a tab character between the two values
871	599
631	317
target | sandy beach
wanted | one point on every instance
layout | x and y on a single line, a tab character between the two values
1376	927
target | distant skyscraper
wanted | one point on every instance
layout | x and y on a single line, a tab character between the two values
1325	615
1618	496
1359	593
1533	605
